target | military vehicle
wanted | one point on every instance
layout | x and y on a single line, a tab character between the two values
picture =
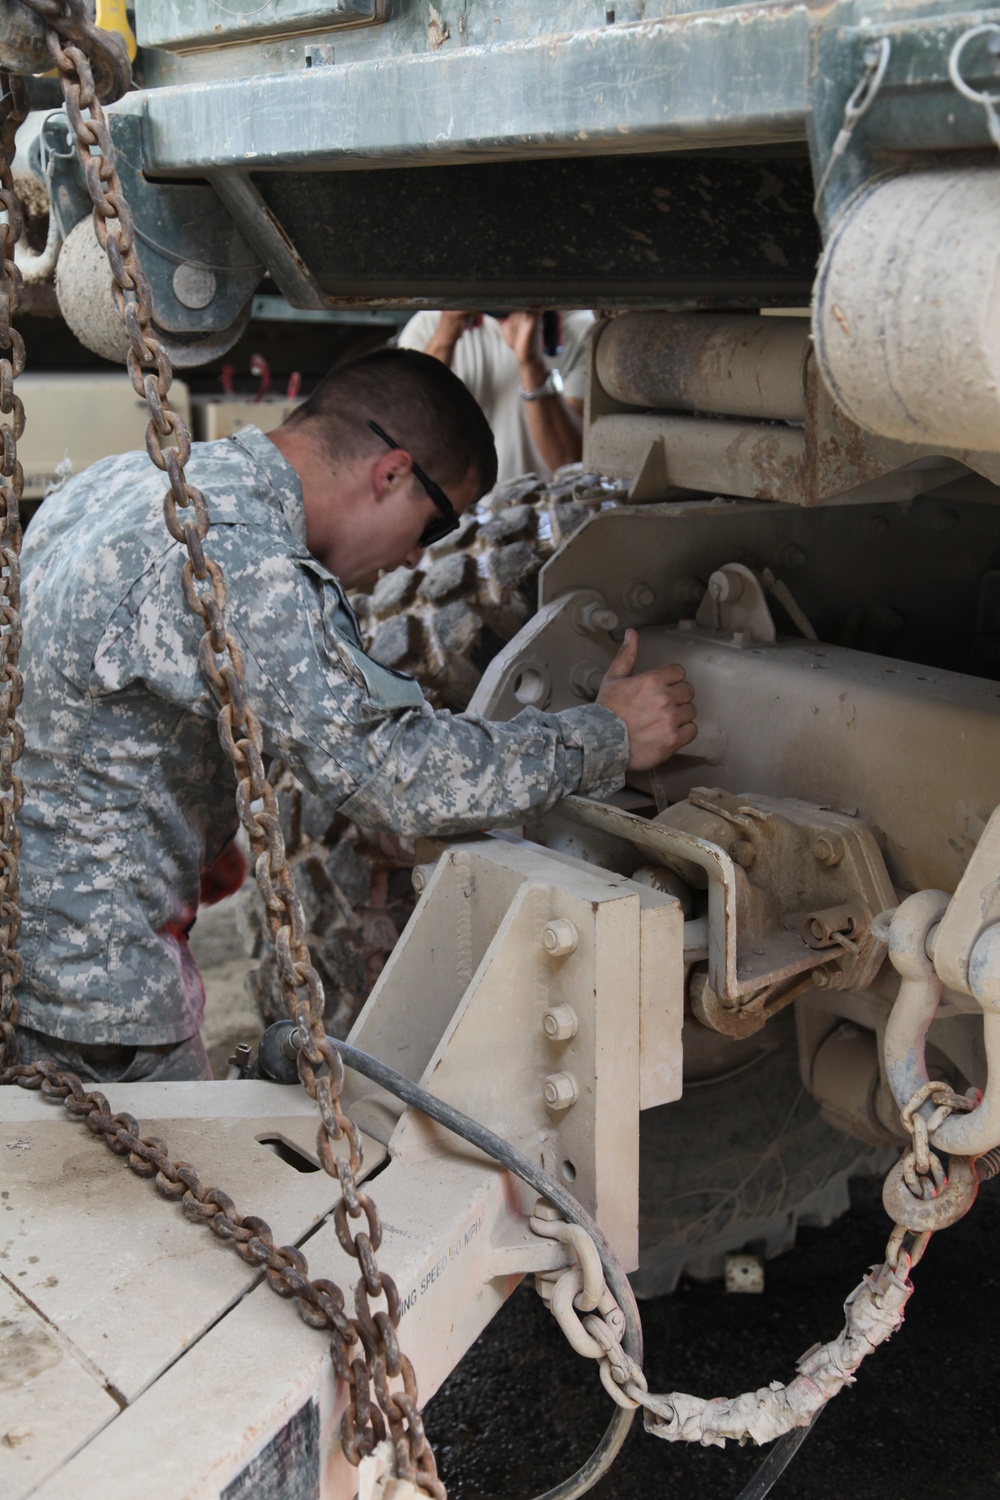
786	217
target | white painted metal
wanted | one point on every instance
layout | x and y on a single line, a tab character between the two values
149	1362
486	981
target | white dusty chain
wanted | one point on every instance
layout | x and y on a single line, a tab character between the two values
581	1288
873	1313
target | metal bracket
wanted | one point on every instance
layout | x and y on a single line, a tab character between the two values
555	976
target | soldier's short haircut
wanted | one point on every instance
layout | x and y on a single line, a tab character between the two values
417	400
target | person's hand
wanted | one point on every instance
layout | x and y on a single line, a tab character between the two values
450	327
657	706
522	331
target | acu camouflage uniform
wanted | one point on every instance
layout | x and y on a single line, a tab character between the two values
128	794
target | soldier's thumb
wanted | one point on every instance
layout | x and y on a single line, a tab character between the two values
628	652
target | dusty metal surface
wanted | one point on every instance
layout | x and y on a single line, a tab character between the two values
911	366
731	365
857	732
728	366
900	581
112	1279
158	1328
737	75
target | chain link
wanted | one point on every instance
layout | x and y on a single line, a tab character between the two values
13	108
581	1288
923	1171
365	1349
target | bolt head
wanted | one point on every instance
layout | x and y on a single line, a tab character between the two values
559	937
829	849
560	1023
560	1090
638	595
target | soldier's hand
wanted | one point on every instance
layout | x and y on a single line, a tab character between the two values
657	706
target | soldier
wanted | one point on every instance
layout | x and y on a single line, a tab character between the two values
129	797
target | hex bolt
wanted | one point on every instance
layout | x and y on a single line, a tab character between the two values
586	678
560	1090
638	595
791	556
829	849
559	937
828	978
560	1023
594	617
419	878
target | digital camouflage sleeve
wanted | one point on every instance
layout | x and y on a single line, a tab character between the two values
128	794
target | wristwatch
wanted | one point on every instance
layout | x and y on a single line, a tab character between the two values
551	386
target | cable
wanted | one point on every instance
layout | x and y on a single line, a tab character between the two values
777	1461
280	1049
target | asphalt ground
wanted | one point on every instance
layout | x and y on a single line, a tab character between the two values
921	1423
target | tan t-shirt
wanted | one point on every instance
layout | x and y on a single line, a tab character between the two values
485	362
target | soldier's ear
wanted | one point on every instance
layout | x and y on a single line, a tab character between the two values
390	471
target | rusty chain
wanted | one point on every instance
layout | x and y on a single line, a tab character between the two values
365	1349
13	108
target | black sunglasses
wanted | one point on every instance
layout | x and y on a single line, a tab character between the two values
449	519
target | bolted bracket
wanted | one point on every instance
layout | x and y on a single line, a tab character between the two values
542	980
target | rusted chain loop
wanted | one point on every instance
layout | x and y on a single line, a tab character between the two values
71	40
67	19
13	109
348	1241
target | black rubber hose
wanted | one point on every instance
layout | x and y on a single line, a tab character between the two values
607	1450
